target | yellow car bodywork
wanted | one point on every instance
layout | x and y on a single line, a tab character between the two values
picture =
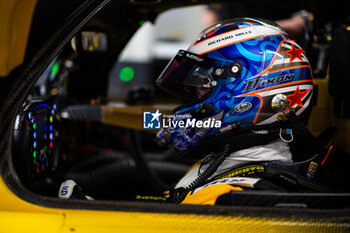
17	215
20	216
15	20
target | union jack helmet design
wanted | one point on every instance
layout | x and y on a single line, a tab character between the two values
232	73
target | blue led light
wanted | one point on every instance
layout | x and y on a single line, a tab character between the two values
30	115
41	105
34	135
35	145
51	136
51	127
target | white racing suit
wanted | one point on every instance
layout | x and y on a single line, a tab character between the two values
230	176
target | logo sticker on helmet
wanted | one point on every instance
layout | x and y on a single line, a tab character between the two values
232	37
243	107
191	56
262	82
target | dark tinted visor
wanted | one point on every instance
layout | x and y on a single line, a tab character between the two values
188	76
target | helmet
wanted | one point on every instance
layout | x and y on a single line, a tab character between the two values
236	73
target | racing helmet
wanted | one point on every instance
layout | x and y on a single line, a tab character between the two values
233	77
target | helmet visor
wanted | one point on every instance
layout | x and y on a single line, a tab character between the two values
188	76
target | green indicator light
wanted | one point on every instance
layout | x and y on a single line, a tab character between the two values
126	74
142	22
34	126
329	38
55	69
45	150
34	154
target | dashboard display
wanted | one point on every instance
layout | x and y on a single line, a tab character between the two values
40	120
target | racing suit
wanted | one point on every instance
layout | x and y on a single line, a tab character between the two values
236	173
